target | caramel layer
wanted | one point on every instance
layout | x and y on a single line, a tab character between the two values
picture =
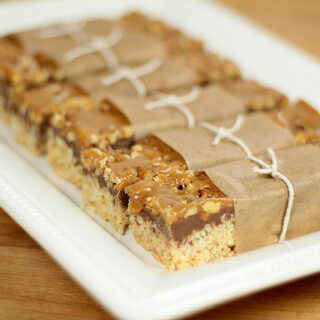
256	97
302	120
24	71
101	127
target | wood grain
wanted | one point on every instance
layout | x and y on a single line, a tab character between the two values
295	20
33	286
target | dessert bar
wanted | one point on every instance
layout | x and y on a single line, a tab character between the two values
108	174
183	227
93	45
241	210
30	111
303	121
106	128
163	137
19	71
74	131
165	75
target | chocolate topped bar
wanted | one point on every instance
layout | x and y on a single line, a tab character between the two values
178	213
101	127
245	213
256	97
19	72
93	45
212	102
166	75
107	126
24	71
19	68
32	109
164	137
142	161
152	163
303	120
150	156
124	167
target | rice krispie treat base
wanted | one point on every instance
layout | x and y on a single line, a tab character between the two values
212	243
100	200
63	161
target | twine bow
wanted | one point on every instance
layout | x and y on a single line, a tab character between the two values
98	44
133	75
272	170
222	132
178	102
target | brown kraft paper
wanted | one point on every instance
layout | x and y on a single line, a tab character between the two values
258	131
171	74
212	103
133	48
261	201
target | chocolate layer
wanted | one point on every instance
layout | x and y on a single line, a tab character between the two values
184	227
5	93
157	220
42	128
123	143
124	198
121	195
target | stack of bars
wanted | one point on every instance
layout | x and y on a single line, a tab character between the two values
163	137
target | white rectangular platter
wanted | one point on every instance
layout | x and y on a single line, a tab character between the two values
114	269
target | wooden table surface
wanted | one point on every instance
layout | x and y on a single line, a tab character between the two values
32	286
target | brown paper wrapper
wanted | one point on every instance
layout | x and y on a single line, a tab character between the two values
261	201
258	131
212	103
133	48
170	75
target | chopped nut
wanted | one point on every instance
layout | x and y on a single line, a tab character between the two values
227	217
137	147
93	138
192	211
211	207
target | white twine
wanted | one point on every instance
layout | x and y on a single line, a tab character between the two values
98	44
133	75
177	102
222	132
272	169
74	30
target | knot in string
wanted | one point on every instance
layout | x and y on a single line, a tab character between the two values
98	44
177	102
269	169
222	132
272	170
133	75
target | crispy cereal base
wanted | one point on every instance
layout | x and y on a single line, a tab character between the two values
28	136
5	116
63	161
102	202
212	243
